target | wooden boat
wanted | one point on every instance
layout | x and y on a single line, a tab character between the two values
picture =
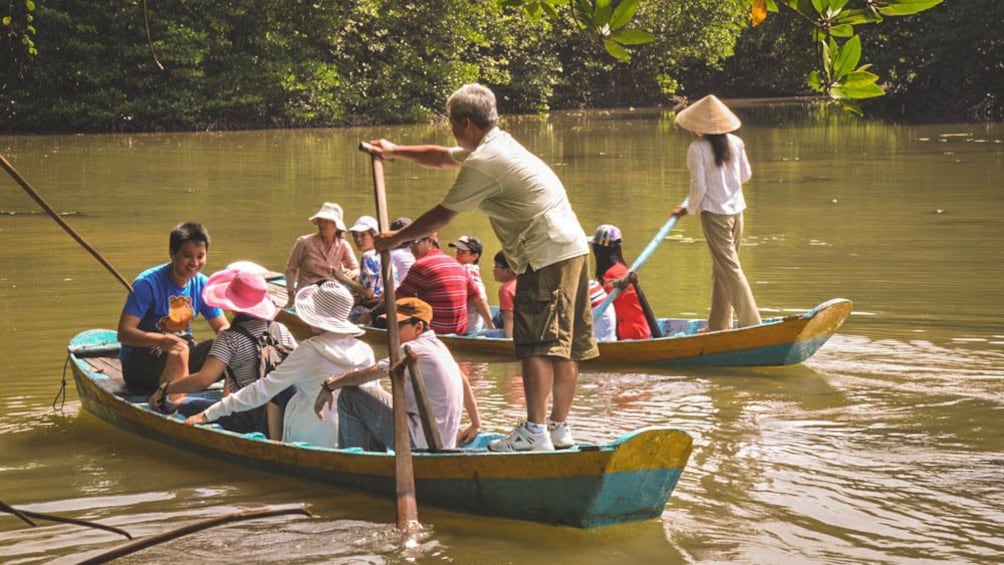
586	486
784	340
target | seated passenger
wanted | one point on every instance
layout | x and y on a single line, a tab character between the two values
369	288
605	326
155	328
235	353
467	252
611	271
316	256
401	256
366	417
334	350
507	295
442	282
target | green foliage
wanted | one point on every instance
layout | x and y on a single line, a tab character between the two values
606	20
838	75
947	64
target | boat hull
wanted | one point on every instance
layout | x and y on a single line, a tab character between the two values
778	341
587	486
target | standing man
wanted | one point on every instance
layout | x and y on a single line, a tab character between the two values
544	242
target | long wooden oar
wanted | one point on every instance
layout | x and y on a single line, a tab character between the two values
404	474
646	308
640	260
26	514
59	220
144	543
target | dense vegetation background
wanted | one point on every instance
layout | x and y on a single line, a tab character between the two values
129	65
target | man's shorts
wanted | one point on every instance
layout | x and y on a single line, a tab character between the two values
142	367
551	312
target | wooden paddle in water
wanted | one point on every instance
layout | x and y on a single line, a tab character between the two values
404	474
59	220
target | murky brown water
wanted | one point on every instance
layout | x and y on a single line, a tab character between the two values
884	447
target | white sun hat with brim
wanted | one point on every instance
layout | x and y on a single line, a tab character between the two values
709	115
242	292
333	212
365	224
326	306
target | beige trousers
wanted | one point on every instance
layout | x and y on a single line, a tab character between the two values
729	287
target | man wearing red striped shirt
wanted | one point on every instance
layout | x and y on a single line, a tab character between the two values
441	281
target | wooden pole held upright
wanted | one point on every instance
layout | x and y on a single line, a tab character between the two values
407	507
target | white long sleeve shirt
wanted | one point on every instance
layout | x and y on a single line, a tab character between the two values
316	359
715	189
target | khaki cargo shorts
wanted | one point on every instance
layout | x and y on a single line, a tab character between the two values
551	312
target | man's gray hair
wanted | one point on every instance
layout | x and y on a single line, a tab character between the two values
475	102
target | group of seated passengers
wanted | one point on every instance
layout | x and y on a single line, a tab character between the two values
155	331
419	268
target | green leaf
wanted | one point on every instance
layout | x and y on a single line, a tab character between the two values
29	5
907	7
616	50
602	12
859	79
843	30
6	21
819	5
815	82
857	17
632	37
847	57
830	49
623	13
772	6
857	92
837	5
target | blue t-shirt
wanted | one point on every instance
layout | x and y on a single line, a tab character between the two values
164	307
369	273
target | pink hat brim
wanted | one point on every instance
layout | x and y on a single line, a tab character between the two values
215	294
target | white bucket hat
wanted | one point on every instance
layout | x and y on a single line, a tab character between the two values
330	211
326	306
709	115
365	224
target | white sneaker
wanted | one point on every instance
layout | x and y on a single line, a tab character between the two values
522	439
561	434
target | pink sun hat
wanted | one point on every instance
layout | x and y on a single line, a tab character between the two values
240	291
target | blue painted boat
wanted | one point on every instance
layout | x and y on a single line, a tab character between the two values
586	486
781	340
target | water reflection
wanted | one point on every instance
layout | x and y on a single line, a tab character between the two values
884	447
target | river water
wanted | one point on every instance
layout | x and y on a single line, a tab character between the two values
885	447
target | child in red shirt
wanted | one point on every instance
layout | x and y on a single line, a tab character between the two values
610	268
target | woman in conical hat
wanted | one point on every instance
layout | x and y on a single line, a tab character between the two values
718	168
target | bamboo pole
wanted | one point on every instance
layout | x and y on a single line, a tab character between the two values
404	474
27	514
144	543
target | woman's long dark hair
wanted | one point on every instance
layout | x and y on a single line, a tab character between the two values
720	147
607	257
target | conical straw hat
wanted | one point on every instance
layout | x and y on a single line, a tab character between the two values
708	115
